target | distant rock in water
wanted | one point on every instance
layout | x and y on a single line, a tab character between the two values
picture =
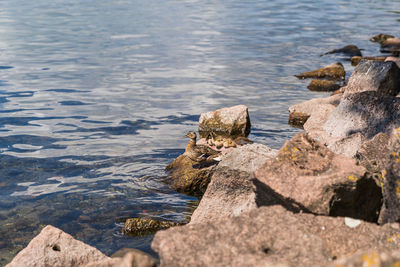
391	45
323	85
379	38
356	59
348	50
334	71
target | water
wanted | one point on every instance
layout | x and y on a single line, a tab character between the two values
95	97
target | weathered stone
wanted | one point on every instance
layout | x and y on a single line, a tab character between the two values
317	119
309	175
356	59
348	50
334	71
186	178
323	85
233	122
232	189
379	38
374	154
382	77
299	113
391	45
53	247
133	258
371	257
268	236
145	226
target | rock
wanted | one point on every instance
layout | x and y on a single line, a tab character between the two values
394	59
333	71
317	119
233	122
187	179
133	258
309	175
374	154
269	236
382	77
379	38
356	59
232	189
299	113
391	45
323	85
53	247
348	50
145	226
372	257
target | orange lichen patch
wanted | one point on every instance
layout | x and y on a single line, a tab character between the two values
370	260
383	174
393	238
398	189
353	178
396	264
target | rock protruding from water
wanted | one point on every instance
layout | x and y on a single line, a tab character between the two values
145	226
232	189
391	45
379	38
319	85
334	71
356	59
309	176
233	122
348	50
270	236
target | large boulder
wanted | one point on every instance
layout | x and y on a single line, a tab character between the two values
334	71
232	189
309	175
270	236
381	77
233	121
53	247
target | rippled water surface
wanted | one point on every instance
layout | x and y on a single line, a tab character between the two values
96	96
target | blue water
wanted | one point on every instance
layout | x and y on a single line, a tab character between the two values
96	96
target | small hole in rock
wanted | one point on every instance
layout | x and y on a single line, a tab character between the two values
56	247
265	250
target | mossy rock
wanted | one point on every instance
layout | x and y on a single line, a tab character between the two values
323	85
333	71
145	226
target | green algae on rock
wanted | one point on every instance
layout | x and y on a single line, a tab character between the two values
145	226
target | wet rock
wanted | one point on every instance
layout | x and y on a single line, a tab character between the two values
394	59
299	113
391	45
372	257
334	71
145	226
309	175
132	258
232	122
232	189
187	177
53	247
348	50
356	59
269	236
379	38
382	77
323	85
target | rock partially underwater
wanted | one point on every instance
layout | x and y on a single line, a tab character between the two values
145	226
334	71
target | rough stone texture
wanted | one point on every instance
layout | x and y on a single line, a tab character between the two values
232	189
317	119
133	258
371	258
323	85
145	226
53	247
309	175
299	113
233	121
356	59
186	178
334	71
381	77
267	236
348	50
374	154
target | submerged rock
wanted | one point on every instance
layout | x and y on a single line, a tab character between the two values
269	236
356	59
379	38
145	226
231	122
348	50
323	85
334	71
308	175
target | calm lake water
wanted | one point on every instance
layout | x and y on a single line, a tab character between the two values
96	96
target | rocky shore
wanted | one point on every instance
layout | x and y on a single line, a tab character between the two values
330	196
